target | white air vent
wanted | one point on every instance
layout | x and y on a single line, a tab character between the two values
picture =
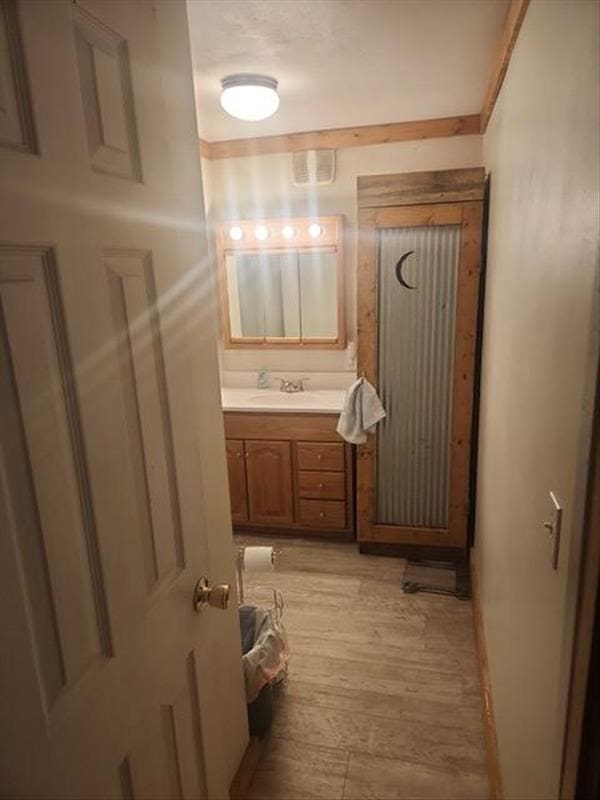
313	167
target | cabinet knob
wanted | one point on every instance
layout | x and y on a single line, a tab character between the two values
238	454
319	457
320	486
322	514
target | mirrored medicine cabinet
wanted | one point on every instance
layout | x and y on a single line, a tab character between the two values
282	282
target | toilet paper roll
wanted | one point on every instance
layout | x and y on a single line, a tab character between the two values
258	558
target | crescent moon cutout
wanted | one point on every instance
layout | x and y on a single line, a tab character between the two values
399	270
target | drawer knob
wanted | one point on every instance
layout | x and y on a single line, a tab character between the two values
319	457
322	514
320	486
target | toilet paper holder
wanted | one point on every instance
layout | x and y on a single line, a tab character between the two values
274	555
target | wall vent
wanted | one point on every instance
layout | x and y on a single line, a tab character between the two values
313	167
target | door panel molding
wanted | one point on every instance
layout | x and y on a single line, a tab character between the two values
40	361
17	126
107	97
133	301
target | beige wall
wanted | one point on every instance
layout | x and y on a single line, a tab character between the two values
262	186
540	340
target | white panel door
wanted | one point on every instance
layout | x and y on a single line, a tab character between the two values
113	497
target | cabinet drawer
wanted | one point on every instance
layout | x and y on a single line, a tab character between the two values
322	513
321	456
322	485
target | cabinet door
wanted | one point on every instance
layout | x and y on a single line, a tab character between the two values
236	467
269	473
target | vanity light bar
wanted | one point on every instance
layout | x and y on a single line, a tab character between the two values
282	232
262	232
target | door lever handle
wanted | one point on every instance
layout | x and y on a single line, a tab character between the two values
216	596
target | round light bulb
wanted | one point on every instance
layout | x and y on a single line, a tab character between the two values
261	232
288	231
249	97
315	230
236	233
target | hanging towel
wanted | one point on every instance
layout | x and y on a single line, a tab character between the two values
362	411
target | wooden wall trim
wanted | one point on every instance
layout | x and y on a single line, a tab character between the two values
338	138
489	719
246	770
510	33
412	188
205	148
589	586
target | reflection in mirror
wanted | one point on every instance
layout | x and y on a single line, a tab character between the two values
284	287
263	293
318	294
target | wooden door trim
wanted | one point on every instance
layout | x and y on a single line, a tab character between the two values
589	586
467	294
423	214
427	187
469	216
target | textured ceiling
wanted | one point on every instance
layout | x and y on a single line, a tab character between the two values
344	62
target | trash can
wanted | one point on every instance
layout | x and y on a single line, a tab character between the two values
264	655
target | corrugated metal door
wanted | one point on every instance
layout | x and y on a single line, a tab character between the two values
415	334
417	318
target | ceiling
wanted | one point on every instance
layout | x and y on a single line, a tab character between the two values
344	63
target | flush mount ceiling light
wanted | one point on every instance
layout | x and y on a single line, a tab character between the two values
249	97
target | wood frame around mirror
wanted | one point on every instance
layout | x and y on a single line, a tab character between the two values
331	238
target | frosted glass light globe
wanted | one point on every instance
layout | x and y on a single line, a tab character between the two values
249	97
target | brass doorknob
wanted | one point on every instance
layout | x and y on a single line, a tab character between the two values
216	596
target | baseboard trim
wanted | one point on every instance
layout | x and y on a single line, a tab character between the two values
245	772
489	720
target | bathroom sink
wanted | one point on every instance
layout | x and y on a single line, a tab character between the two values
285	397
313	401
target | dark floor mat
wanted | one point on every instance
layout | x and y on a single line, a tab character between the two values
437	577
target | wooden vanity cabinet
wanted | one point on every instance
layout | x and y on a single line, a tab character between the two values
290	472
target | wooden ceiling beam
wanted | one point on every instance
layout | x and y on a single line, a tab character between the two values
338	138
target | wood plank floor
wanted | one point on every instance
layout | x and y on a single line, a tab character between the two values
383	697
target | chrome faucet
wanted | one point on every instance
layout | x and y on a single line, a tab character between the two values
289	386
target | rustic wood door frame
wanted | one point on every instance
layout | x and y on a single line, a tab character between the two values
401	194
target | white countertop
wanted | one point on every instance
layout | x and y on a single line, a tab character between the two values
311	401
